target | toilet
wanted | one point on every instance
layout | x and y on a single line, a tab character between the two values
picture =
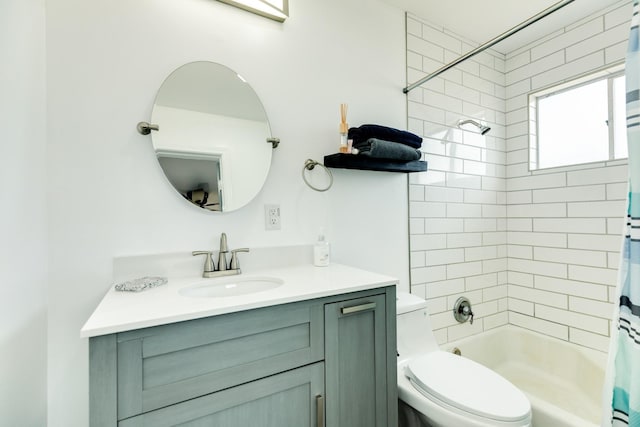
440	389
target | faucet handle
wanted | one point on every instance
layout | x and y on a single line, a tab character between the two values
462	310
235	264
208	262
466	311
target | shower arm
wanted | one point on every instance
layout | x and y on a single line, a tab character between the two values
482	128
508	33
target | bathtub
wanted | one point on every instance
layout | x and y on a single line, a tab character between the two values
563	381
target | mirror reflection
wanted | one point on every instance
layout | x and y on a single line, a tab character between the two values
212	141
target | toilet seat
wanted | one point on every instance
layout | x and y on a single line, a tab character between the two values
467	386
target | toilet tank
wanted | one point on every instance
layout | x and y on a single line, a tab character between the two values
415	335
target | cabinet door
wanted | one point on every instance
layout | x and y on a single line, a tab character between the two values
290	399
356	363
169	364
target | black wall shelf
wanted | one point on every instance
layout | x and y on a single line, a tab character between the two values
350	161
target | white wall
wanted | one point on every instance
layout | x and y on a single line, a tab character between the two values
23	253
457	212
107	195
559	230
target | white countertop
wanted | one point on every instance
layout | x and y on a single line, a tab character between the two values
123	311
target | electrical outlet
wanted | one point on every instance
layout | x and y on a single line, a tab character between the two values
272	217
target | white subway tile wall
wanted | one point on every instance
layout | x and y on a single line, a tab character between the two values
539	249
458	208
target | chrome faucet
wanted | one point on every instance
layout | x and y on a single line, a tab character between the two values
222	270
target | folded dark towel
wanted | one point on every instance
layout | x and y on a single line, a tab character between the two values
381	149
364	132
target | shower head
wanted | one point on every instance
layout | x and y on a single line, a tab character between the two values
483	129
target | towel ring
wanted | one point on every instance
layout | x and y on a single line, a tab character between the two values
309	165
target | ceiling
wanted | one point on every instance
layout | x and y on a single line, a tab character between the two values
482	20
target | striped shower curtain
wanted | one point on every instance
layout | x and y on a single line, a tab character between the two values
624	372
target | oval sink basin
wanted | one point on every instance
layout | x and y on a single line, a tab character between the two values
230	286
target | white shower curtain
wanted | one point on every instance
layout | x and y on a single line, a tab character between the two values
622	389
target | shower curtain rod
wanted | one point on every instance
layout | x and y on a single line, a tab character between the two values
508	33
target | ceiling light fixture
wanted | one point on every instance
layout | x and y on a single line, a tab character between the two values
278	10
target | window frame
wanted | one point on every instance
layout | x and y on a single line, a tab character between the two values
610	73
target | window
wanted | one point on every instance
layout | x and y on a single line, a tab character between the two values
579	122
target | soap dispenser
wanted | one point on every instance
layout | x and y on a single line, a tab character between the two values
321	251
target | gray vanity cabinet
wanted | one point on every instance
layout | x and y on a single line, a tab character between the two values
292	365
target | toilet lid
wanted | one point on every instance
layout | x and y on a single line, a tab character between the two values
468	386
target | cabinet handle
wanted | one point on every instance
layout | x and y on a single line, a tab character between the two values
319	411
358	308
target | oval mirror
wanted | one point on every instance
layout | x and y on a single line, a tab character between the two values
212	138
